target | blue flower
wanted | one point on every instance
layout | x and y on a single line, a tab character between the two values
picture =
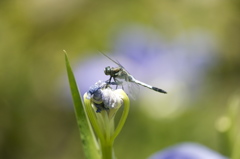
187	151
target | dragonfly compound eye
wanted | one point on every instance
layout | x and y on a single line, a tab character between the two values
107	70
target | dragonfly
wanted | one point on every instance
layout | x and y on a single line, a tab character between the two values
120	76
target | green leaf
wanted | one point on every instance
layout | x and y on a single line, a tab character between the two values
86	133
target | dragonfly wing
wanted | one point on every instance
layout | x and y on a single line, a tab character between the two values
133	90
115	61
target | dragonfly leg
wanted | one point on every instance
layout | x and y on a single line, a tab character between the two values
108	82
122	87
115	82
110	79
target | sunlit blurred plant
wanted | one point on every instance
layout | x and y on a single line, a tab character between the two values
97	114
229	129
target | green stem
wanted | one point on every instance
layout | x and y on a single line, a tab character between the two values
107	149
123	118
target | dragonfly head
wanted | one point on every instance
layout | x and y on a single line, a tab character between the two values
107	70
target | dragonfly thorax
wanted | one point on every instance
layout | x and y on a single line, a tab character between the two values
112	71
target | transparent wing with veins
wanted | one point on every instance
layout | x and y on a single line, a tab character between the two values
125	80
132	83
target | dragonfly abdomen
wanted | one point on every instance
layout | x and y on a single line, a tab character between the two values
159	90
148	86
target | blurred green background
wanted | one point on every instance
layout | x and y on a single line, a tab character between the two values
35	123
